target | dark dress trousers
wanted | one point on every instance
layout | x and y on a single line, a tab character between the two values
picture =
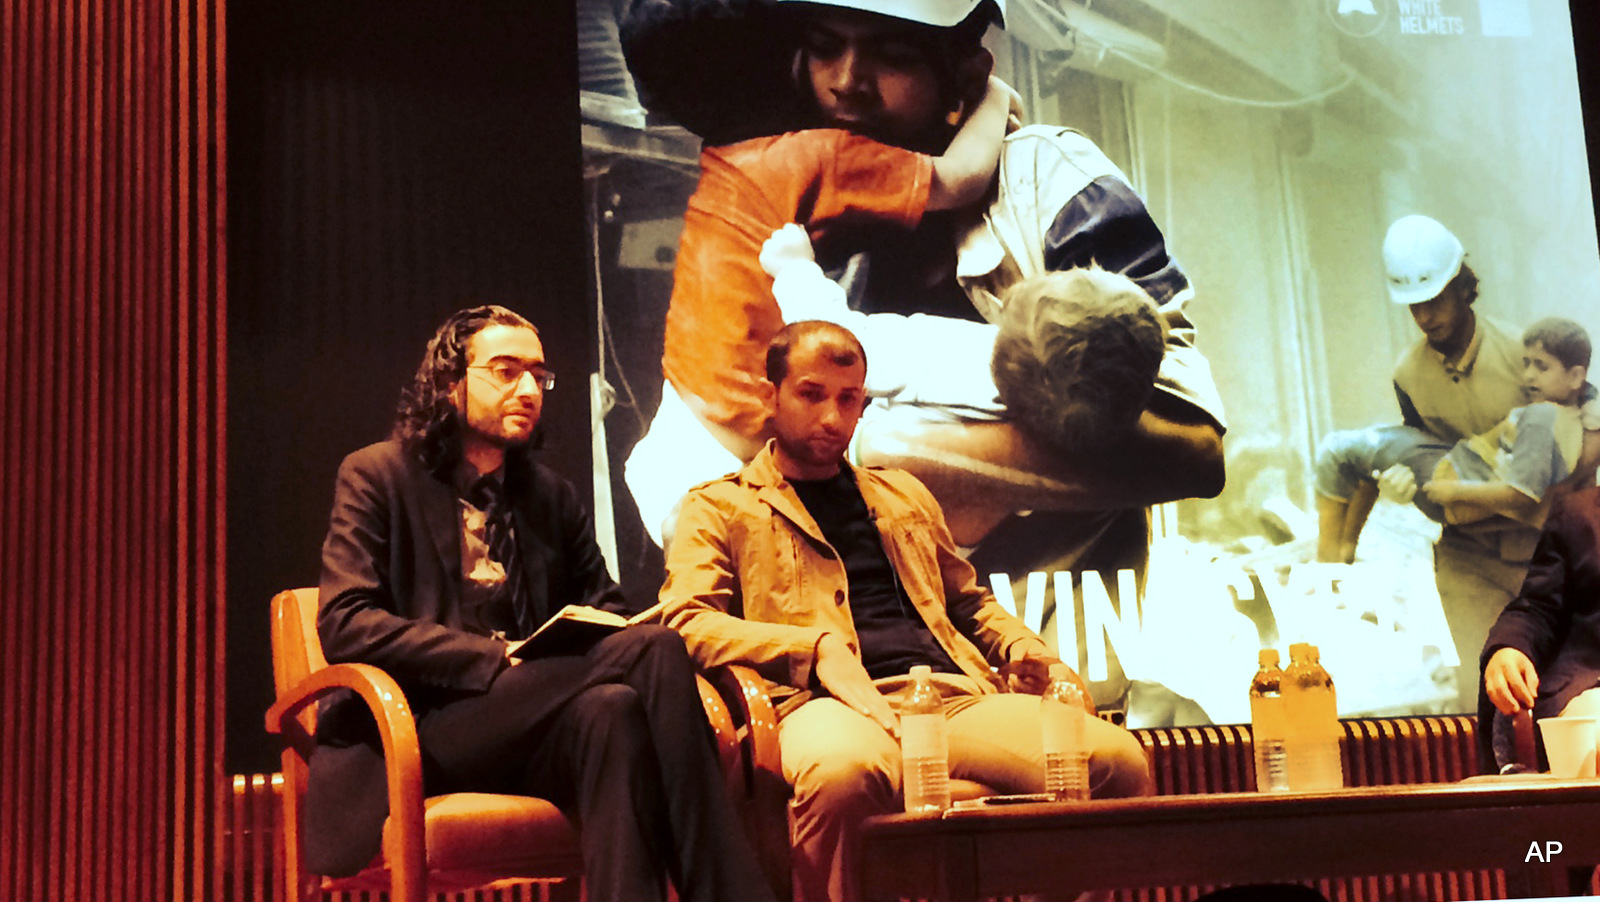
613	734
1555	619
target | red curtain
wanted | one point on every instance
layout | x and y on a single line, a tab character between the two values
112	271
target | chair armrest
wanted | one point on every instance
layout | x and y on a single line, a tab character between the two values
721	720
402	758
764	796
377	689
746	693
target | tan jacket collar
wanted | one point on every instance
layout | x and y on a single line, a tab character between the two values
762	470
773	489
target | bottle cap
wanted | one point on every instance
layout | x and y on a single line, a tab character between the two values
1064	689
1267	657
921	670
1300	651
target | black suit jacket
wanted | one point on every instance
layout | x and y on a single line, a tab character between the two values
390	596
1555	619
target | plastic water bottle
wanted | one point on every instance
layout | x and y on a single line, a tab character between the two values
1312	715
1066	755
924	747
1268	724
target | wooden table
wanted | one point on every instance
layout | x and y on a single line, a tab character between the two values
973	853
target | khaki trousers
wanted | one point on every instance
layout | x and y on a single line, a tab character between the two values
844	768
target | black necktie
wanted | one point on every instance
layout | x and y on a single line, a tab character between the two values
500	535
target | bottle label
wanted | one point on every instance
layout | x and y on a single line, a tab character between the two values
924	754
1272	765
922	736
1267	719
1062	726
1066	775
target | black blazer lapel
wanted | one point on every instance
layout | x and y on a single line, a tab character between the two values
437	498
533	543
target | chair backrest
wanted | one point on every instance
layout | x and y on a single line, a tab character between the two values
296	649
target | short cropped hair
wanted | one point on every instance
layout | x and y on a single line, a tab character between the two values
1076	358
427	422
1467	281
1562	339
843	348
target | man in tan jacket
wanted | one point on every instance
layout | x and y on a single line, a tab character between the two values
831	581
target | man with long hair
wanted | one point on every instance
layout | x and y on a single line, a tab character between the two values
447	544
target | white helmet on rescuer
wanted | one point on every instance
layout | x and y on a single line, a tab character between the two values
1420	257
938	13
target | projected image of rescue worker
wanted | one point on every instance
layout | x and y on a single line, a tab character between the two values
914	188
1492	429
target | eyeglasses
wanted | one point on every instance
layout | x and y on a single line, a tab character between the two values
508	373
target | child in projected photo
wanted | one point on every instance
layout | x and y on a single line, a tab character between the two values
822	177
1076	352
1504	472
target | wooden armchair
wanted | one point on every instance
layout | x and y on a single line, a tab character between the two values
449	843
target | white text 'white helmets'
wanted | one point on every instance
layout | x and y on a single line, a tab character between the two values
1421	257
939	13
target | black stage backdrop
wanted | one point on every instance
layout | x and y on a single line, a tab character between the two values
389	163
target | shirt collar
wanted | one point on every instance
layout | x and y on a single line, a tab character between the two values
1463	365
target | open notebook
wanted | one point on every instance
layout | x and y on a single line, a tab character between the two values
576	627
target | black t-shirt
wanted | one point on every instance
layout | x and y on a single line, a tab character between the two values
893	635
